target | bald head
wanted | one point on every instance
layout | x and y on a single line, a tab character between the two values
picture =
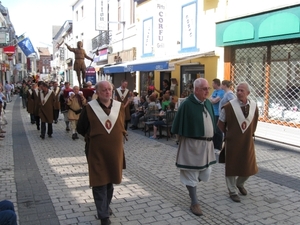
104	91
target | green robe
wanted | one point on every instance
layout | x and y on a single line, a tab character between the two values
189	116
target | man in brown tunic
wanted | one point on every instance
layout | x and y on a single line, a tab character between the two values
102	124
122	94
79	65
46	110
30	103
36	99
238	120
56	106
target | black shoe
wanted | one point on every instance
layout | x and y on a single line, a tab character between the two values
134	128
38	127
50	135
76	136
105	221
67	129
41	136
55	121
73	136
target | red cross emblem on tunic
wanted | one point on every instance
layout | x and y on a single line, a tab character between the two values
244	125
108	124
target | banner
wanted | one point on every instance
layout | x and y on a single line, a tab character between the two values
101	14
148	36
26	46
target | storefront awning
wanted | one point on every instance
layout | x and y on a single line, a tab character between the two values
163	64
186	59
98	67
147	65
118	68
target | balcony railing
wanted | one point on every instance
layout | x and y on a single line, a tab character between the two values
102	39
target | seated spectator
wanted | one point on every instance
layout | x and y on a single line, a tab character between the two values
159	123
157	102
165	102
151	110
136	98
175	100
7	213
140	111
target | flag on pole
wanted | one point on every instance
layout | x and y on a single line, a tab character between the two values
26	46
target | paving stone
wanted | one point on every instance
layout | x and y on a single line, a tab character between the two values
55	182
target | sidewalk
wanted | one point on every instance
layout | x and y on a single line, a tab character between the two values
48	182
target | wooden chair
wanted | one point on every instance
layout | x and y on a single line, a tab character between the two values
170	115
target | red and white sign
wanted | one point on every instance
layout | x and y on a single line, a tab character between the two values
9	51
102	55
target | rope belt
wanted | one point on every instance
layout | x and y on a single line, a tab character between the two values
203	138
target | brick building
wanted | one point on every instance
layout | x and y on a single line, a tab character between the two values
43	64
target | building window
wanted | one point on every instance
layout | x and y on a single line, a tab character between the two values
19	57
132	12
82	11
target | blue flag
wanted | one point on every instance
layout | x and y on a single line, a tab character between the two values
26	46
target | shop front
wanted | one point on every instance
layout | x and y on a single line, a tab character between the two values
116	70
188	69
147	74
180	71
263	51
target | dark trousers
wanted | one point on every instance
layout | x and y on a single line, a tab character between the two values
7	213
32	118
218	136
37	121
102	197
55	114
43	129
135	118
24	102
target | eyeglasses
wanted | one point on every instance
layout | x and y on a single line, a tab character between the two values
205	89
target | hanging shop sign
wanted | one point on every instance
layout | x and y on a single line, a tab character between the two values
9	51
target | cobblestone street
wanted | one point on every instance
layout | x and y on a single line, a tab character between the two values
47	180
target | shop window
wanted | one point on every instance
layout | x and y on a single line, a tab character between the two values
273	72
146	83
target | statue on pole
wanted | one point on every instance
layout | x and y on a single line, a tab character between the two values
79	65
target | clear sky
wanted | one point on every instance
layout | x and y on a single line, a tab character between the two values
36	18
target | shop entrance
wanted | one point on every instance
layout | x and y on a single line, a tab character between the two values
188	74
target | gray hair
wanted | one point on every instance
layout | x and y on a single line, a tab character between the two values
101	82
199	82
246	84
